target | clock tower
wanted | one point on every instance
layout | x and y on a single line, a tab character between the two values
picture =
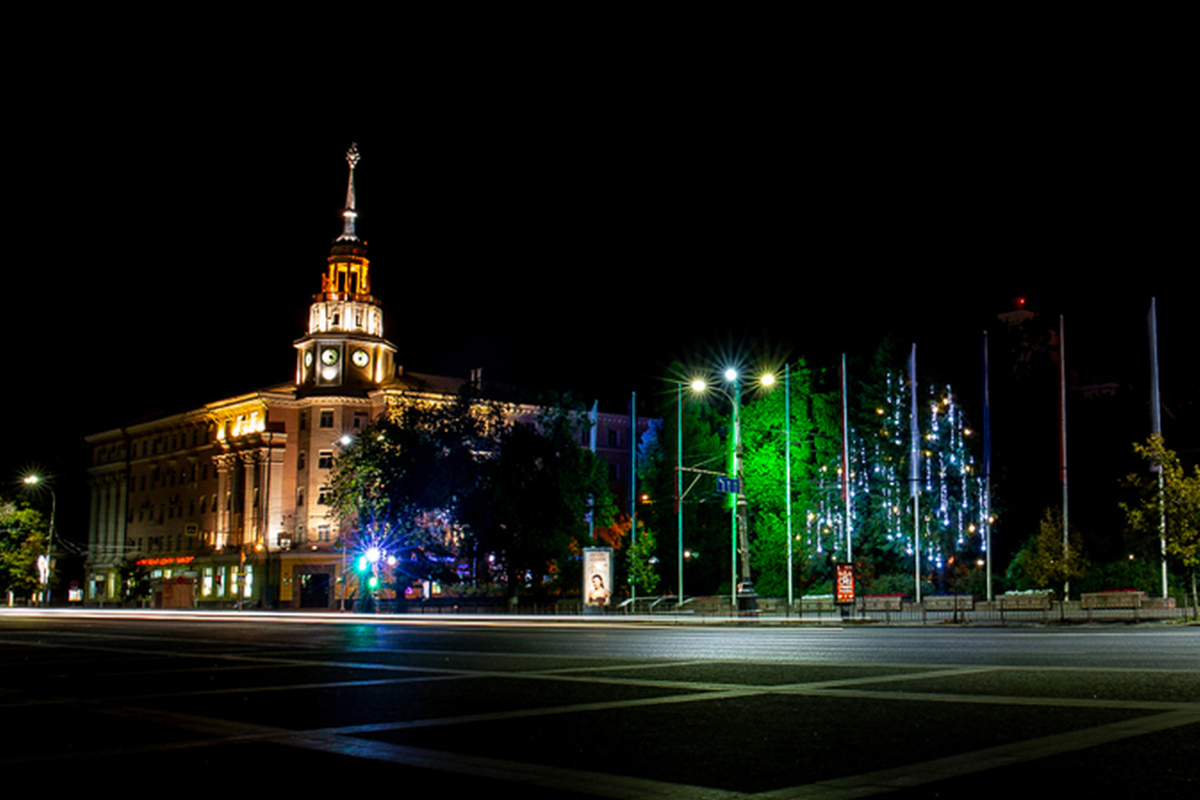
344	349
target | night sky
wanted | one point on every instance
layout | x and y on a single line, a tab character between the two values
579	228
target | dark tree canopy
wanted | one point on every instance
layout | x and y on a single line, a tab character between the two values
534	495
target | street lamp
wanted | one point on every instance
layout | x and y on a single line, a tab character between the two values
36	481
697	385
738	536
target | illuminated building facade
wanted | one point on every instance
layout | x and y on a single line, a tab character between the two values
217	502
214	501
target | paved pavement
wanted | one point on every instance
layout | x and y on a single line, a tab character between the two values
581	709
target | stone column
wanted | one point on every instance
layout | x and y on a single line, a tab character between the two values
251	514
224	467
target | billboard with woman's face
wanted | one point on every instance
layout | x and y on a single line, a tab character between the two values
597	576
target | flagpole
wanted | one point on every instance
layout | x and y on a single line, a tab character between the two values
1156	428
592	417
787	473
987	469
633	487
846	464
679	481
1062	399
914	470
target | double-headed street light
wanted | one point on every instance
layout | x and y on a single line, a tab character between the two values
739	538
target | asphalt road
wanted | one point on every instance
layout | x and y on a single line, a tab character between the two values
581	709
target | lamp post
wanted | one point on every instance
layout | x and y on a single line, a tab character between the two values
679	482
35	480
697	385
739	540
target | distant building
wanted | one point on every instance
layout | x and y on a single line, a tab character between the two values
217	500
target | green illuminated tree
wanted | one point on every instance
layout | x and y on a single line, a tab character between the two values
765	450
705	520
642	562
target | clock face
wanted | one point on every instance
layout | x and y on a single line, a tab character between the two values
308	358
329	357
360	358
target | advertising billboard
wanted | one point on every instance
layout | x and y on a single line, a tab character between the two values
597	577
845	583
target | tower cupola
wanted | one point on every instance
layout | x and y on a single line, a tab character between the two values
344	347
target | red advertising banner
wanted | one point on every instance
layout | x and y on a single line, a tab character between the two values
845	583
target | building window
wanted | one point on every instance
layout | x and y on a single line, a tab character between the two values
325	460
301	460
323	496
322	533
303	420
327	418
612	439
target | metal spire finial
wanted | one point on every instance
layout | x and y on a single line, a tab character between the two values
349	214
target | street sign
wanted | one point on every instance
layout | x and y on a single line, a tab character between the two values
728	485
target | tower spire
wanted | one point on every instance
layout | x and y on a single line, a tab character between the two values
349	214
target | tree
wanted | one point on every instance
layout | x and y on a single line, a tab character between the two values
705	520
1176	508
22	539
1041	563
765	450
401	484
642	562
535	492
